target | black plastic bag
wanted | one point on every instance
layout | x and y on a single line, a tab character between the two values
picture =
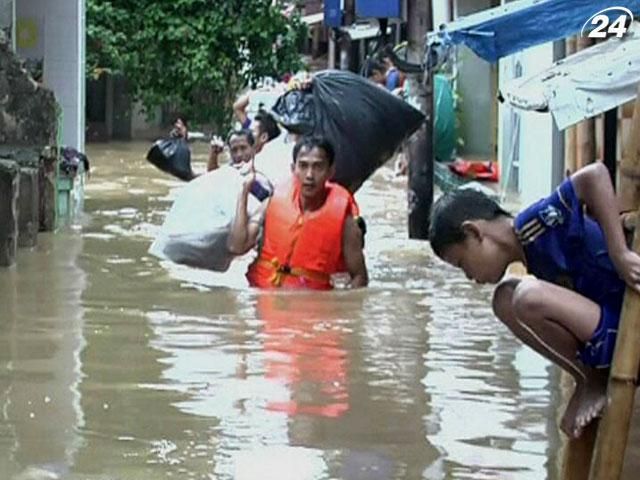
172	155
365	123
296	111
71	160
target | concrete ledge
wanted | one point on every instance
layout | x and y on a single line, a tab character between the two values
9	190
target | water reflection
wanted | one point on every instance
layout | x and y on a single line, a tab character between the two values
41	323
159	371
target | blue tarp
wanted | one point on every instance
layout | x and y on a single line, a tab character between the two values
501	31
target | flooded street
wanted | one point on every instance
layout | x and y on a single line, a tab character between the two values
114	365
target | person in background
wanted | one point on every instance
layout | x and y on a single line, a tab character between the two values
180	128
241	145
240	111
393	77
264	128
375	71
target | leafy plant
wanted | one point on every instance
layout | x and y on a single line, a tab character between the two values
193	54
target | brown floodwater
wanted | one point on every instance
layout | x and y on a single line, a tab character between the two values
114	365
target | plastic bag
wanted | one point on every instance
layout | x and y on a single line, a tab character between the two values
172	155
197	226
365	123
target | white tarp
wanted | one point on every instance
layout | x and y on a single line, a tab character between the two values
584	84
196	229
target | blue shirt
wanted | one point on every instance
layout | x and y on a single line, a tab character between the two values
564	246
392	80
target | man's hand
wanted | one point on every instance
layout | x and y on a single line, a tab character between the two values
249	177
303	82
628	266
217	145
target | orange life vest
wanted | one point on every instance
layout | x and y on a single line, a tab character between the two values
302	249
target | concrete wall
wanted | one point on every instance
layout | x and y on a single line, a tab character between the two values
54	31
537	141
27	111
475	87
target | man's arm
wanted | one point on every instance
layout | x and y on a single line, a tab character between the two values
352	253
244	231
216	147
592	185
240	109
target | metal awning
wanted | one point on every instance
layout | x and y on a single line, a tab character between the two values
521	24
364	30
584	84
313	19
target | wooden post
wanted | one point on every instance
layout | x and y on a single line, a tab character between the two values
611	442
420	15
610	143
571	132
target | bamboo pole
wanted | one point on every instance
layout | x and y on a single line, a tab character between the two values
586	130
578	453
571	132
629	185
611	441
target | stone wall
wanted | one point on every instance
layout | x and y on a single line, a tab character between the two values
28	111
28	126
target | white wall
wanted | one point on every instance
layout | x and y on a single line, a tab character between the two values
59	26
534	140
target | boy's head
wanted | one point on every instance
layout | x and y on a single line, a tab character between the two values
470	231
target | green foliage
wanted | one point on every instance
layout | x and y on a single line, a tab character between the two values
195	55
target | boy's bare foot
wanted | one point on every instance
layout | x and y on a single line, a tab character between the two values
586	404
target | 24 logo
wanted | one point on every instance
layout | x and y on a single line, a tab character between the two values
607	24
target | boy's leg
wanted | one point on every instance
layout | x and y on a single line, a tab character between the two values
555	322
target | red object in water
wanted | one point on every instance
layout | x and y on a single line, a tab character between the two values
487	171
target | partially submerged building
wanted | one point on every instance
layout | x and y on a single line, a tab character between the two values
41	110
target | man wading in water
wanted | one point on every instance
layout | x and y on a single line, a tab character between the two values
309	227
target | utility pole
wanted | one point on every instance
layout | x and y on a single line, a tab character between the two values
420	151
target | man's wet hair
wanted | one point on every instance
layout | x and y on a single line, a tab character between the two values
310	142
267	124
181	116
371	66
453	209
243	132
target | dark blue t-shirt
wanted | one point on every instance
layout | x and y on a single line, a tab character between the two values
564	246
393	79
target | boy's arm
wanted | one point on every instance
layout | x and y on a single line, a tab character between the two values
592	185
244	231
352	253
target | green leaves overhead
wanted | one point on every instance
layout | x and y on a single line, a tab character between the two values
193	54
